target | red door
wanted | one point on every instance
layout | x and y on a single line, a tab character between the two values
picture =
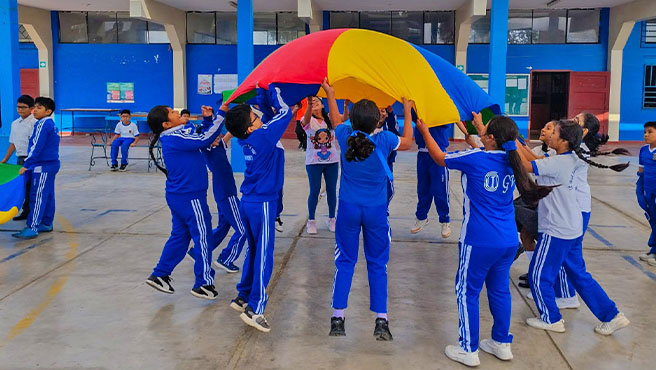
589	92
29	80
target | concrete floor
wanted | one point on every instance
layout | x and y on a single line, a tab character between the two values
76	298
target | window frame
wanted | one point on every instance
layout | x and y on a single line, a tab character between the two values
59	28
423	36
645	86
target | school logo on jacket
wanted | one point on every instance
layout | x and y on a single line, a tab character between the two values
491	181
249	152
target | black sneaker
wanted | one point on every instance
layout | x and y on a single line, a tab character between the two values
278	225
161	283
114	167
205	291
21	217
523	277
239	304
337	327
124	167
524	284
259	322
381	331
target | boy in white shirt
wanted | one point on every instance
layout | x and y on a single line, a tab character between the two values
21	130
126	135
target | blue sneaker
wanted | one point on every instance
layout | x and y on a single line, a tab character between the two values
228	267
190	254
43	228
26	233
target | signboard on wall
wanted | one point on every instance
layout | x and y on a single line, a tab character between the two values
223	82
204	84
517	98
120	92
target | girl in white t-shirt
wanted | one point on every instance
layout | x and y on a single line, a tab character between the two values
321	159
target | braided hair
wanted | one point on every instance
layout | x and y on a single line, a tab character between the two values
364	117
571	132
594	140
156	117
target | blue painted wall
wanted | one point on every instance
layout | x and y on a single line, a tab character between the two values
28	55
632	115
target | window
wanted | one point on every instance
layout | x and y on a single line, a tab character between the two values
131	30
583	25
23	36
520	24
73	27
157	34
102	27
439	27
226	28
649	32
264	29
480	30
376	21
344	20
201	28
649	91
290	27
408	26
549	26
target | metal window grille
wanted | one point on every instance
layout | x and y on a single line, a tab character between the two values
649	91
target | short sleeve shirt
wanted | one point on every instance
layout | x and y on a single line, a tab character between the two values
127	131
321	143
21	130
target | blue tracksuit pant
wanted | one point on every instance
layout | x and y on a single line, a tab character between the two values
563	286
550	254
259	221
123	143
432	186
376	237
651	217
191	221
42	196
477	266
390	184
229	216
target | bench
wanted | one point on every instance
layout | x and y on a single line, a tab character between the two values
100	146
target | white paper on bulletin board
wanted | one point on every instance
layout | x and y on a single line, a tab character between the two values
205	84
224	82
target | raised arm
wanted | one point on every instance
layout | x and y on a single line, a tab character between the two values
468	138
526	160
477	121
308	113
346	113
433	149
406	140
333	110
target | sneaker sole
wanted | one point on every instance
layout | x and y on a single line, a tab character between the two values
622	325
483	346
456	359
250	322
237	307
203	296
157	287
548	329
337	334
24	237
220	266
651	262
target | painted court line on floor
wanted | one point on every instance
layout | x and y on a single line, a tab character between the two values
637	265
24	250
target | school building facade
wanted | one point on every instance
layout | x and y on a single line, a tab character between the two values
543	59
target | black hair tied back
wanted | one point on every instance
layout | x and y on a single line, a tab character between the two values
156	117
359	148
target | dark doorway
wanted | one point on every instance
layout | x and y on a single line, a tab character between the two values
549	99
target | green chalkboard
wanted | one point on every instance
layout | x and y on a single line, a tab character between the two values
517	87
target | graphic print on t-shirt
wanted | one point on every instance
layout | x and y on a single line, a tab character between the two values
322	139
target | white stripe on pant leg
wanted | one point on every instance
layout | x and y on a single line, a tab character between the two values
38	200
536	267
459	289
337	254
200	221
543	259
462	298
194	207
240	227
264	239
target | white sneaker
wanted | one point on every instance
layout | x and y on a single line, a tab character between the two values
312	227
618	322
331	224
651	262
535	322
456	353
647	256
446	230
571	302
500	350
529	295
419	224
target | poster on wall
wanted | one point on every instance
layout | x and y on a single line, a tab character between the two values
120	92
517	93
204	84
223	82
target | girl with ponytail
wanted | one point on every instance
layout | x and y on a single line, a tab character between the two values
363	206
561	225
488	238
186	196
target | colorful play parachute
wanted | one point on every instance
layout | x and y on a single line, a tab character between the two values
12	191
372	65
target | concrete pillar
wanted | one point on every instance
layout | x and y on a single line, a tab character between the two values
9	73
245	49
175	23
38	24
622	20
310	13
498	51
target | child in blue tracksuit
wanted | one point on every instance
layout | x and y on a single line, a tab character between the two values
126	136
488	238
646	187
363	207
432	181
40	168
388	123
186	196
560	228
260	190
